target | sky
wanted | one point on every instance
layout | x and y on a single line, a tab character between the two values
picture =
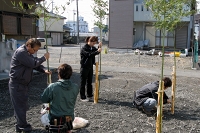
85	10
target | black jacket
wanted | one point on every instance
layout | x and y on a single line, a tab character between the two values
148	91
88	56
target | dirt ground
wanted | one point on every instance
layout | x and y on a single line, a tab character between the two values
114	113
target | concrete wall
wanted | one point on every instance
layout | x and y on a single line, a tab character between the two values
6	53
120	23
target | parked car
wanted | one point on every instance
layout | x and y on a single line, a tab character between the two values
43	42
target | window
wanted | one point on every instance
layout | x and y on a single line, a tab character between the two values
168	40
27	26
141	7
10	27
37	22
137	8
41	40
158	38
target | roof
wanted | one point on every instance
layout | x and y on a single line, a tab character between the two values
53	15
56	15
66	28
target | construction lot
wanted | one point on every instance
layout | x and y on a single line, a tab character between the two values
122	73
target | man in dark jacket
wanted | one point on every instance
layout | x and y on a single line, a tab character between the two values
21	69
88	53
146	97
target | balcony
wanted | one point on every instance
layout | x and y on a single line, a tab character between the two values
142	14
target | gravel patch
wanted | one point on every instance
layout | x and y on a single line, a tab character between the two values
114	112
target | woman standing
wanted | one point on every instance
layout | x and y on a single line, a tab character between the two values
88	53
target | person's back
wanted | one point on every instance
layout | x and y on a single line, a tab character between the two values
62	94
146	97
147	91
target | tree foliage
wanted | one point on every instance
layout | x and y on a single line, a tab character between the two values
100	9
168	13
42	13
41	10
105	29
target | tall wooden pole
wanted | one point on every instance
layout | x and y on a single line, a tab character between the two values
96	92
160	107
45	32
173	89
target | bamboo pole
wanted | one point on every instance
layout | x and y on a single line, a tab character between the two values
159	107
96	92
45	32
173	89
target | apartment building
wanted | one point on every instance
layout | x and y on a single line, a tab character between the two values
130	22
83	26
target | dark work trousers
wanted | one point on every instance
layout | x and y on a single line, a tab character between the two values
86	77
19	99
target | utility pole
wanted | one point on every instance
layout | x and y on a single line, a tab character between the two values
74	22
52	6
193	38
77	23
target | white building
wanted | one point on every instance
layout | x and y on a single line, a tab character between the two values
105	34
83	26
96	30
54	28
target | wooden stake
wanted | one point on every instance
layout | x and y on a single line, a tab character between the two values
96	92
173	89
49	79
160	107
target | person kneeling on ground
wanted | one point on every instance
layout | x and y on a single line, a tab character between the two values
61	95
145	98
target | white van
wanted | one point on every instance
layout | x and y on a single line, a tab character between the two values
43	42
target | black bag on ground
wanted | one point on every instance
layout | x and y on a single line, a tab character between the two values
60	124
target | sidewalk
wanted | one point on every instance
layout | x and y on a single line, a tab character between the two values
167	72
4	76
107	68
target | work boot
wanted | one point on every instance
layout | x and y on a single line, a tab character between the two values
140	108
26	128
148	113
90	98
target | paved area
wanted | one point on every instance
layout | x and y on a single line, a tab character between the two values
59	54
186	73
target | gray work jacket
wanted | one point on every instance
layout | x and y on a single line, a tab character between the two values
22	65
